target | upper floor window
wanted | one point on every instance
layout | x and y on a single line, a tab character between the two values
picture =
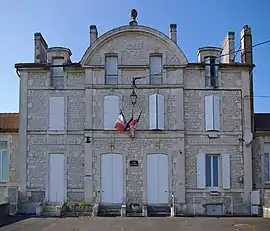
57	113
111	70
57	72
111	111
212	112
3	161
156	75
211	71
267	167
156	112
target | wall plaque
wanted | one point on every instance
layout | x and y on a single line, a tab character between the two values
134	163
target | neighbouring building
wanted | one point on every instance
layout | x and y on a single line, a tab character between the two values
9	158
261	159
193	142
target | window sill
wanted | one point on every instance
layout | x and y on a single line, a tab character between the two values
213	134
267	182
51	131
3	181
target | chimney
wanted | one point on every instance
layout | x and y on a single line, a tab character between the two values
228	51
246	45
40	49
93	34
173	32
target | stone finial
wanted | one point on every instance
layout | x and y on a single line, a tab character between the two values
133	15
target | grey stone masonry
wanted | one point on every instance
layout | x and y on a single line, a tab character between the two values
183	138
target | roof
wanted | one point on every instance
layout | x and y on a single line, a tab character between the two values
9	122
262	121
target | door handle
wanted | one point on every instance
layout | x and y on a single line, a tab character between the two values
166	191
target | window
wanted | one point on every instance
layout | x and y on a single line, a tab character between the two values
57	113
213	171
212	113
267	167
57	73
156	75
3	161
111	111
156	112
111	72
211	71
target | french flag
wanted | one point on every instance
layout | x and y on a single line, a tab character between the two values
121	122
132	125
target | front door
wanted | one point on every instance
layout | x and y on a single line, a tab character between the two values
157	179
56	178
111	179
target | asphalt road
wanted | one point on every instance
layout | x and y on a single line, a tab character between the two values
140	224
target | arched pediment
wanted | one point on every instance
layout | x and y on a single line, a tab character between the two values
133	45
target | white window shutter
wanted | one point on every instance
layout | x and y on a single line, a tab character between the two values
216	113
57	113
153	112
201	171
226	171
111	111
209	114
160	112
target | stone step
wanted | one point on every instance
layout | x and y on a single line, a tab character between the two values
49	214
109	211
158	211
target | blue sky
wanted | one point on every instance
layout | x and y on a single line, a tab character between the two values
66	23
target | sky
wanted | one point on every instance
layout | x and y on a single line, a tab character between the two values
66	23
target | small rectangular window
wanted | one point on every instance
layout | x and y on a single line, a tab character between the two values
156	75
267	167
57	72
212	171
111	70
211	71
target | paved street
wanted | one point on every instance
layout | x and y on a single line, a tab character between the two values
140	224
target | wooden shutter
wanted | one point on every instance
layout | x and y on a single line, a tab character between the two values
209	107
111	111
160	112
216	113
57	113
226	171
201	171
153	112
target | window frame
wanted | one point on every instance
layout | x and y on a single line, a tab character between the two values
267	181
211	80
1	162
155	55
212	187
111	76
57	77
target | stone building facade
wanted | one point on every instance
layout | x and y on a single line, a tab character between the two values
192	140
